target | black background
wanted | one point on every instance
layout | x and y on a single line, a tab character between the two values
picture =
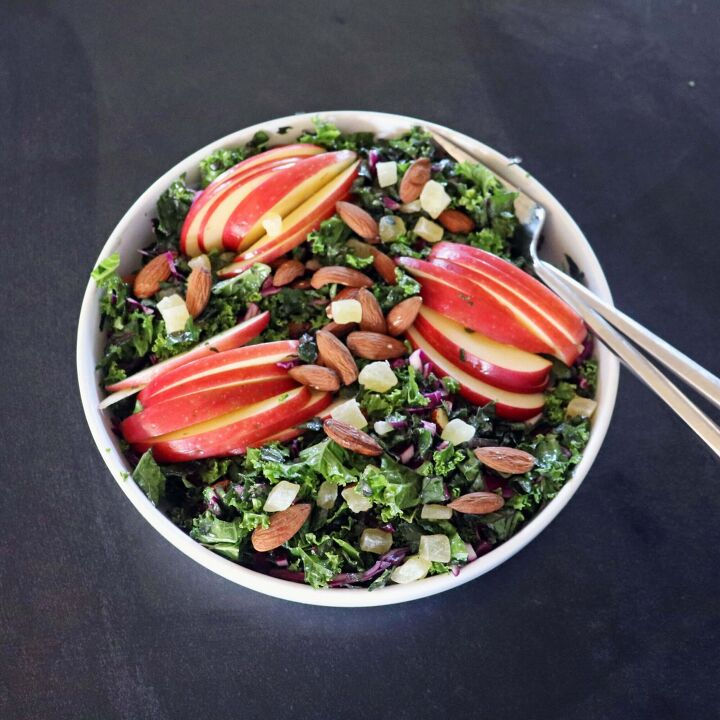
612	612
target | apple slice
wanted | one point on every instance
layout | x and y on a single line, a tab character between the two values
524	311
230	434
229	339
283	154
176	413
509	405
219	369
297	225
451	293
281	194
517	282
499	365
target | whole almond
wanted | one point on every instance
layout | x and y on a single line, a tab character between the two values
303	284
477	503
507	460
296	329
358	220
336	356
288	271
312	265
403	315
385	267
414	179
283	525
351	438
375	346
147	281
373	319
316	377
339	329
339	275
198	291
455	221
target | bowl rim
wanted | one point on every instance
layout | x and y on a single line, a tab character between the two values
107	444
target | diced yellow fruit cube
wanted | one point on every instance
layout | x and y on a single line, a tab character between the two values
428	230
350	413
580	407
433	198
458	431
375	541
356	501
386	173
281	497
377	376
174	312
327	495
346	311
435	548
436	512
414	568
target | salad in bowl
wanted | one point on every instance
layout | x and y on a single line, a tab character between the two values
330	364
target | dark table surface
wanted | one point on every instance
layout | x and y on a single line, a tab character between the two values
612	612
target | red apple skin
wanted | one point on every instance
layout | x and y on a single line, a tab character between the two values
262	173
180	412
274	189
294	235
222	379
493	374
451	293
253	354
536	322
531	289
240	172
230	339
444	368
234	439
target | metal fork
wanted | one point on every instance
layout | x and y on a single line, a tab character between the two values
604	320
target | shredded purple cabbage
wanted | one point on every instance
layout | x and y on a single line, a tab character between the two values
389	203
388	560
431	427
406	455
134	303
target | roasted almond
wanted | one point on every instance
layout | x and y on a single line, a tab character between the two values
414	179
477	503
316	377
339	275
147	281
403	315
283	525
288	271
198	291
373	319
351	438
385	266
303	284
312	265
456	221
336	356
358	220
339	329
507	460
296	329
375	346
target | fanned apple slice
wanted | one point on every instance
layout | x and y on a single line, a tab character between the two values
451	293
502	366
279	195
263	161
297	225
516	282
229	434
509	405
216	369
229	339
176	413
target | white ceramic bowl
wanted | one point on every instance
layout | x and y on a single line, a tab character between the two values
133	232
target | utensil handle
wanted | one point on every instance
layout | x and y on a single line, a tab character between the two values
684	367
705	428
